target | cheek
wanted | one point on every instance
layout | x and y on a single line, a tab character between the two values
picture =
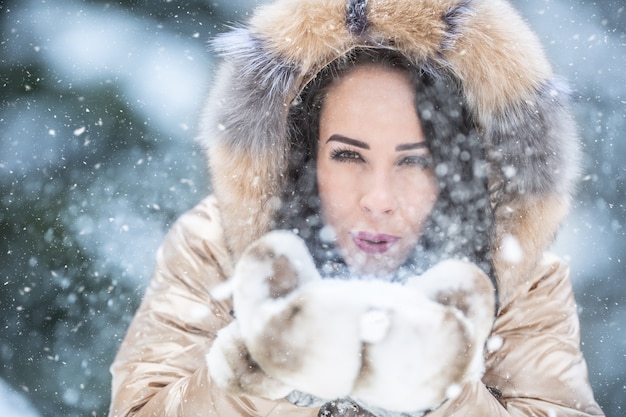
328	178
327	188
334	187
418	203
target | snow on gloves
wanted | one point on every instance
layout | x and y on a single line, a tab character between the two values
402	347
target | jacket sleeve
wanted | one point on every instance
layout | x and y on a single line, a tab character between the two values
536	367
160	369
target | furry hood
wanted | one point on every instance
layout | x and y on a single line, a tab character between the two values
519	106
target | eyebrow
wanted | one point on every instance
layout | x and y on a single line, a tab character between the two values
410	146
348	141
363	145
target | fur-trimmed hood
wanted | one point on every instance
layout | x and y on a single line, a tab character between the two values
518	104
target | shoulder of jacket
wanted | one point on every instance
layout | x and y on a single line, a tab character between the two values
553	268
202	221
548	289
197	237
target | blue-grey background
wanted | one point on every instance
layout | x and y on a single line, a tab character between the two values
98	111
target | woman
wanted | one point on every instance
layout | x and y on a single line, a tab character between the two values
481	168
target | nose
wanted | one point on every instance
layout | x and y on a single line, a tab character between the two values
378	195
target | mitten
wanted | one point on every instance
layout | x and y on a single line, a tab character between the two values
437	328
233	370
293	330
298	328
466	288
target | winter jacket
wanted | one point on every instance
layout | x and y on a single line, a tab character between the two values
534	366
533	362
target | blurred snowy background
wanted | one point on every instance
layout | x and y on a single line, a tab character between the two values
97	117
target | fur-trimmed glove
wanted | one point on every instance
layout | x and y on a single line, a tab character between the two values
398	347
435	340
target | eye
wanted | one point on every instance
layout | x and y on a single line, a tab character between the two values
345	155
418	161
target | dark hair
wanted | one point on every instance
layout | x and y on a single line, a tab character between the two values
460	224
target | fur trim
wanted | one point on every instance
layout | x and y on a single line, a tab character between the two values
531	143
517	103
246	142
524	229
356	17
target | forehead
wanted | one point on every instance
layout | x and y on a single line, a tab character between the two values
371	75
372	104
370	90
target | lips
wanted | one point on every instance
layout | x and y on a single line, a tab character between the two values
374	243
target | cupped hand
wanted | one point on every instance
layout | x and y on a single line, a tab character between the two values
393	346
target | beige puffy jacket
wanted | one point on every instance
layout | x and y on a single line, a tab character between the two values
161	368
521	112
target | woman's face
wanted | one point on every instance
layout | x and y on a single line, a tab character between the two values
373	169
